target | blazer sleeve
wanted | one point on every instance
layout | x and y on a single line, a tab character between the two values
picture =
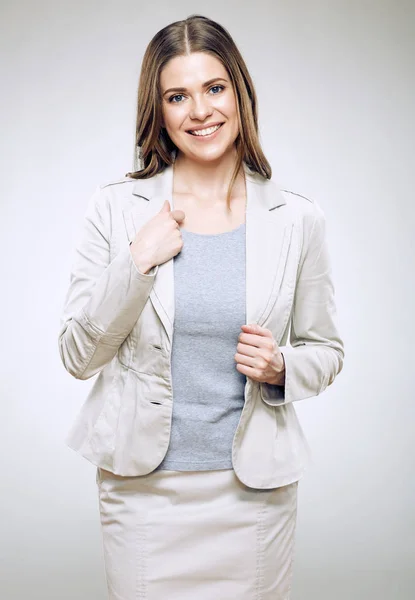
316	354
104	299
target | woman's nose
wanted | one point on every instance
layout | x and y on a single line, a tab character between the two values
200	109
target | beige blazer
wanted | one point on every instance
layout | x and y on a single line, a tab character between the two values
118	323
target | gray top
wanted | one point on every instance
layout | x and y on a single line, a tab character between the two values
208	390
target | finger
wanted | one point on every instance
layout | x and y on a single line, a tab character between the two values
178	214
244	360
165	207
247	350
248	371
251	339
255	328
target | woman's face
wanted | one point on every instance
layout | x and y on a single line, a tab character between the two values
206	98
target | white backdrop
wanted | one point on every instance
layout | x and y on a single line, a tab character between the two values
335	82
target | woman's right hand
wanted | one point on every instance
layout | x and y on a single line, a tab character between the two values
159	239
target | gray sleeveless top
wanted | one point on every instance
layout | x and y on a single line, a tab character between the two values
208	390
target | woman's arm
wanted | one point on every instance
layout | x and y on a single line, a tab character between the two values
316	353
104	299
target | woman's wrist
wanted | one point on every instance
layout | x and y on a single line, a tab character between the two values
143	266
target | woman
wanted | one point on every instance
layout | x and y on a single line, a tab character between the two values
191	276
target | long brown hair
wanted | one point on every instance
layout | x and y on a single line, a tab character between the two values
153	147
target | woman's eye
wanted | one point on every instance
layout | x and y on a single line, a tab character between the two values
176	96
222	87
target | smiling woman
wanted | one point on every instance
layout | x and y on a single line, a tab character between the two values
186	87
201	295
206	112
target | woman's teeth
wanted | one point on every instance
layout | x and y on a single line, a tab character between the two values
205	131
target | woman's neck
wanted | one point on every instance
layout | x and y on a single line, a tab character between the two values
207	180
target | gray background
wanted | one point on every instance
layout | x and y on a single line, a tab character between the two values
335	82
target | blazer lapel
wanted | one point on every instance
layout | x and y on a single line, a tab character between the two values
268	236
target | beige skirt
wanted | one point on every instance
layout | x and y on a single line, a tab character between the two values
187	535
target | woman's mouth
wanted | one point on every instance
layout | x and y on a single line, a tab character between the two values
205	133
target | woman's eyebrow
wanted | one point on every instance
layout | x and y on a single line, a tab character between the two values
182	89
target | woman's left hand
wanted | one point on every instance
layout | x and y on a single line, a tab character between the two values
258	355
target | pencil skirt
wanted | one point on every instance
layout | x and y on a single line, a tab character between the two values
186	535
